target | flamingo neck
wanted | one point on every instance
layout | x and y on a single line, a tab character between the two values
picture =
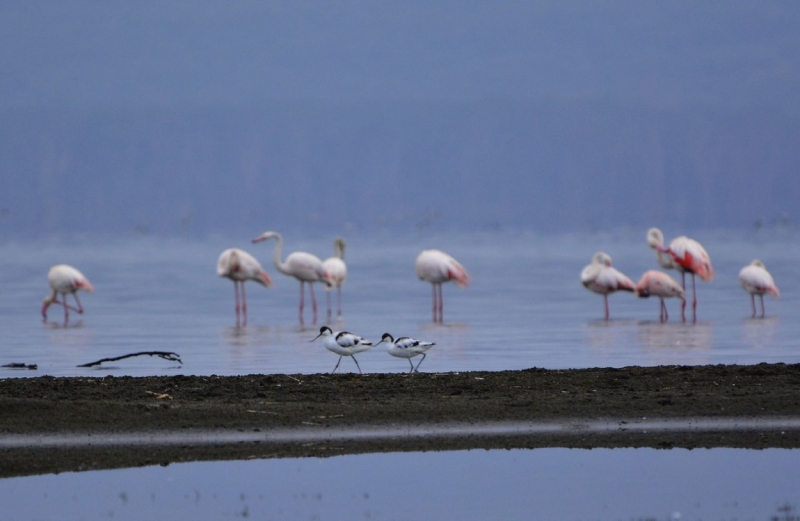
49	299
276	255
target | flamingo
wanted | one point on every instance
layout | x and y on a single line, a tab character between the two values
343	344
437	267
65	280
756	280
685	255
662	286
407	348
303	266
336	271
601	278
240	266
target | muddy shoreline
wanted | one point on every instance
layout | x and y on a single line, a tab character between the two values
263	404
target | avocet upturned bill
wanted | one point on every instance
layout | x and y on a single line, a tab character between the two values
408	348
600	277
64	279
343	344
756	280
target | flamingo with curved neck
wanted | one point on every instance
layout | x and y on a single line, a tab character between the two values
303	266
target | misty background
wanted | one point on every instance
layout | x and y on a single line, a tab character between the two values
235	117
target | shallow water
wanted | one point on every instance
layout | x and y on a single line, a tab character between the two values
511	484
525	308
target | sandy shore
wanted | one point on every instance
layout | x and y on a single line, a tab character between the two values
753	406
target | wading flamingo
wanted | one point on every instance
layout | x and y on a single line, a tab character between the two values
303	266
240	266
659	284
65	280
407	348
601	278
336	272
685	255
756	280
437	267
343	344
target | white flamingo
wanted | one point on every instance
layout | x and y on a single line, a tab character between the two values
685	255
407	348
600	277
240	266
756	280
336	272
303	266
659	284
343	344
65	280
437	267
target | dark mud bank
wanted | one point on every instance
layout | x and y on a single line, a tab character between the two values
751	406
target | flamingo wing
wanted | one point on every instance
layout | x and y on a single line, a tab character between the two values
690	256
757	280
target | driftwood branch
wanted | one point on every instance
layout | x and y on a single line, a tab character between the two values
166	355
18	365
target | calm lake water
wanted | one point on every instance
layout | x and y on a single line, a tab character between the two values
525	308
731	484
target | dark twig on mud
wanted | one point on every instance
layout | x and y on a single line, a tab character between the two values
166	355
18	365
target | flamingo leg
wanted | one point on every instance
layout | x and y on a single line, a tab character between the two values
762	305
56	301
666	313
420	362
337	364
605	302
441	304
694	301
244	307
236	300
683	304
339	300
753	303
328	294
313	301
303	304
356	361
433	285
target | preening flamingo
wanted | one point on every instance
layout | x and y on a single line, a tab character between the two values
336	272
303	266
756	280
240	266
405	347
600	277
661	285
685	255
65	280
437	267
343	344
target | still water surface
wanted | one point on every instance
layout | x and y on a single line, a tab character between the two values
731	484
525	308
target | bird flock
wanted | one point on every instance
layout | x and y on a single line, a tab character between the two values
683	254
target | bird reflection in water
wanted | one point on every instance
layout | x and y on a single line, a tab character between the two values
760	332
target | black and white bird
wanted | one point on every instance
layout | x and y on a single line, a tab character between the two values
343	344
408	348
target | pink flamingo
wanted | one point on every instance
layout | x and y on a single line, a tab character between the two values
685	255
303	266
240	266
336	271
437	267
662	286
65	280
756	280
601	278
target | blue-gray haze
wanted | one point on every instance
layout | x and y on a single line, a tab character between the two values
236	116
